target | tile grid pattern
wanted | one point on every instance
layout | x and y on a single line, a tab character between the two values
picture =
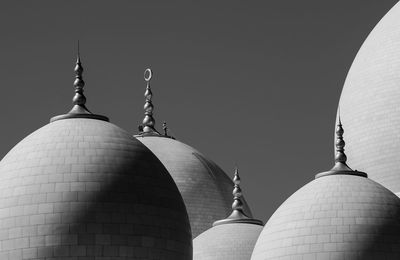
205	187
83	189
334	217
228	241
370	104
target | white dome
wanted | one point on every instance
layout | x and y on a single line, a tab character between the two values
233	241
81	188
339	216
205	187
370	104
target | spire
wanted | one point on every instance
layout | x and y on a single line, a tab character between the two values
79	100
79	109
237	204
237	215
340	166
148	121
340	156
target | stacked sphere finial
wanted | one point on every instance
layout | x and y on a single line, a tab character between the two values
79	109
79	98
148	121
340	143
237	192
237	215
231	238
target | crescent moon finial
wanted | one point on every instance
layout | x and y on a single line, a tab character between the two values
149	74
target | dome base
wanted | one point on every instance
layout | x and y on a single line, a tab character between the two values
238	216
357	173
71	115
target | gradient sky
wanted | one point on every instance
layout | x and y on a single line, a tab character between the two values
251	83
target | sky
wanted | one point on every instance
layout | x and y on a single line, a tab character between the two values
248	83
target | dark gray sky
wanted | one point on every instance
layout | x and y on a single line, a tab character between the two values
252	83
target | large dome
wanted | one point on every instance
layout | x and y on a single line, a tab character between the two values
370	103
205	187
85	188
340	215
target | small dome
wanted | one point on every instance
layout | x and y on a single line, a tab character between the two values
334	217
233	241
231	238
340	215
370	103
206	189
86	188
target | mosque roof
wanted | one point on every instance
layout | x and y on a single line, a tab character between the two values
231	238
339	215
204	186
370	103
81	187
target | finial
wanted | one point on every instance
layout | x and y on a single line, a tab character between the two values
79	109
340	166
237	215
237	192
340	156
148	121
79	100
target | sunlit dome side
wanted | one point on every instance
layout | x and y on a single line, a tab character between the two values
204	186
231	238
340	215
370	103
83	188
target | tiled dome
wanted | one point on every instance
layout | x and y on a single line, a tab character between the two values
334	217
231	238
340	215
205	187
87	189
81	188
233	241
369	103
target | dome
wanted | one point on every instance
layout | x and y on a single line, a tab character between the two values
83	188
231	238
205	187
229	241
340	215
369	103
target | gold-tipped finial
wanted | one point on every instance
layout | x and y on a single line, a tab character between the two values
237	215
340	166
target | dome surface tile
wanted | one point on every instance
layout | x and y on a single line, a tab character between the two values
334	217
84	189
228	241
369	104
205	187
